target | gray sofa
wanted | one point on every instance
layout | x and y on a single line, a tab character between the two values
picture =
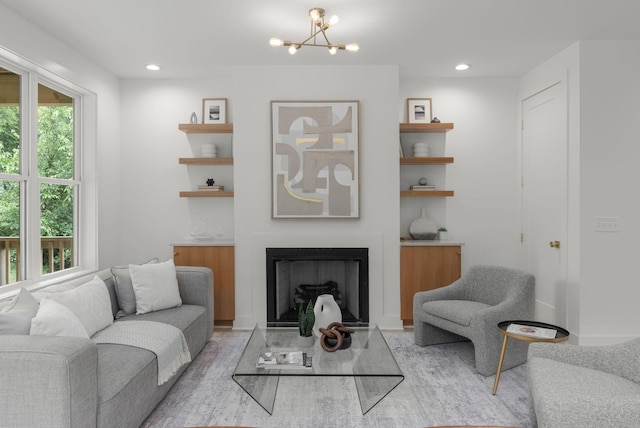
584	386
73	382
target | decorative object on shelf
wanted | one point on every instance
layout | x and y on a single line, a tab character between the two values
318	28
421	150
210	181
443	234
422	185
423	228
306	321
214	110
435	120
419	110
326	311
194	118
309	137
209	150
336	336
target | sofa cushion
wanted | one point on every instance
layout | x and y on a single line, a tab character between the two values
155	286
55	319
124	289
567	395
16	318
457	311
90	302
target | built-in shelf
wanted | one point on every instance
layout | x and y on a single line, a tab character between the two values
425	161
206	128
426	127
206	161
205	194
426	193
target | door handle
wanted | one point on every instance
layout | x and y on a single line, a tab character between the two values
554	244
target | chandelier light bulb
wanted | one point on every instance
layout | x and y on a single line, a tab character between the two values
275	42
293	49
333	50
334	20
352	47
315	15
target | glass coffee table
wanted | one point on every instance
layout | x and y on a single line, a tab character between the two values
368	361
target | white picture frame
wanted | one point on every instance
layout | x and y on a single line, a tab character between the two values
419	110
214	110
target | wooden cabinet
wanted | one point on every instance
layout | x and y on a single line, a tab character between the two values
425	268
220	259
205	128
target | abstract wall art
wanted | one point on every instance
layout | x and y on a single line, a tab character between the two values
314	158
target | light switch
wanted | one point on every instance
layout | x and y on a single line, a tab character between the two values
607	224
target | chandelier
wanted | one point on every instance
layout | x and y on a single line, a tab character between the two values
319	28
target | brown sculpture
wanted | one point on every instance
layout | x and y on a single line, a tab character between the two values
335	336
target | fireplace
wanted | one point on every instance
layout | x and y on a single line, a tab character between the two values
296	276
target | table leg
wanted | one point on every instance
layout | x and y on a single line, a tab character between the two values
504	348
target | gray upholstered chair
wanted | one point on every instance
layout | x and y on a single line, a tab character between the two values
471	308
584	386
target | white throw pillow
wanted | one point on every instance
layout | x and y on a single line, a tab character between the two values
16	318
124	289
90	302
55	319
155	286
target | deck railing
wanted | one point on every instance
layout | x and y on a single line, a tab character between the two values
51	246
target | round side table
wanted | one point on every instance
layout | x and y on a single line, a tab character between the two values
527	334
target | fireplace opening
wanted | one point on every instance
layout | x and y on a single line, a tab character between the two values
296	276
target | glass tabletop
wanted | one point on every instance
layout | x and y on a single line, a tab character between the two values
368	360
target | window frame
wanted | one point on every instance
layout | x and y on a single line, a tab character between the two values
84	180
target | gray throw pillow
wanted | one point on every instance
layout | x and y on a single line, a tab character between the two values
16	318
124	289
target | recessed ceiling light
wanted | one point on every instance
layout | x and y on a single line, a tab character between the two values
153	67
462	67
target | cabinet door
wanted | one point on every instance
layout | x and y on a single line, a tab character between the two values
425	268
221	261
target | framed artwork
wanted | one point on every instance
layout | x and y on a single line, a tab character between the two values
419	110
314	159
214	110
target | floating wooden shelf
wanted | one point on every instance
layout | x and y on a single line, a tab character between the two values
426	193
205	194
206	161
425	161
206	128
426	127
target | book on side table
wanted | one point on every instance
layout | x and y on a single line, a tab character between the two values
284	360
531	331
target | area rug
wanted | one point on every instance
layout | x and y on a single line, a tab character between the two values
440	387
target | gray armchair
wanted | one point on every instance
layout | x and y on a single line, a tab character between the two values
584	386
471	308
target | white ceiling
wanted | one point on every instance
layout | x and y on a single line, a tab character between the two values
199	38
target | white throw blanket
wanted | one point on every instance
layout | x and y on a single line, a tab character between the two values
164	340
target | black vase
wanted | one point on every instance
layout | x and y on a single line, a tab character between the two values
346	341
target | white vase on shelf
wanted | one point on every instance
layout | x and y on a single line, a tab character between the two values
326	311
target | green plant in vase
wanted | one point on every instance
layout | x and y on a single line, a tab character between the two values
306	319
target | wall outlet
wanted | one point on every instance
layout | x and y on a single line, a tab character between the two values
607	224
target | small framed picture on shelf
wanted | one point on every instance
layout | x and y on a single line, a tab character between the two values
214	110
419	110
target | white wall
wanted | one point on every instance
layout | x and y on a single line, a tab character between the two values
610	154
376	88
37	47
483	213
153	215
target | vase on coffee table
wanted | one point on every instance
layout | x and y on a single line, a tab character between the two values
326	311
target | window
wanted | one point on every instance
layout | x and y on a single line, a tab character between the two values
40	173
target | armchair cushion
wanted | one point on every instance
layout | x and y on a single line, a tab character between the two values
457	311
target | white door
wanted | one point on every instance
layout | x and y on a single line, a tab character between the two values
544	196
